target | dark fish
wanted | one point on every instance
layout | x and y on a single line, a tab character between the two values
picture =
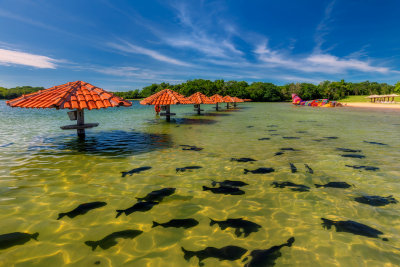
318	140
309	170
242	226
193	148
177	223
288	149
272	130
293	168
82	209
352	227
6	145
227	190
292	186
259	170
229	183
157	195
376	200
110	240
348	150
279	153
367	168
230	253
264	138
331	137
274	134
243	159
140	206
16	238
301	132
357	156
272	125
375	143
334	185
290	137
250	126
136	170
267	257
188	168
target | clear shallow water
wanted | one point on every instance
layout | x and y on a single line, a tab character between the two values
45	171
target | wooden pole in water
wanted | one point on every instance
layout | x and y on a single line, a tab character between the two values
80	120
168	115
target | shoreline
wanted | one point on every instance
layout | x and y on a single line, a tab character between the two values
372	105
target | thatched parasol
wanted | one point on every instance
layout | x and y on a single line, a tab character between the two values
237	100
73	95
217	99
228	99
199	98
165	98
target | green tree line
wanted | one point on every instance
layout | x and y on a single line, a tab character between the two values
257	91
269	92
17	91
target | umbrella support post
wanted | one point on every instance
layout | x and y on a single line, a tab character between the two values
234	104
216	106
80	120
168	117
197	108
227	105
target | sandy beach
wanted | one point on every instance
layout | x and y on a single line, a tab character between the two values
373	105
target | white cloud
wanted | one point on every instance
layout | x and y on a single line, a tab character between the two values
130	48
195	34
315	62
10	57
326	62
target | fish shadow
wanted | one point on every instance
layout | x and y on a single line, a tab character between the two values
187	121
114	144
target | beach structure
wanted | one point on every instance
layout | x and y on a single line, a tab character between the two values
238	100
382	98
76	95
199	98
164	99
247	100
228	99
217	99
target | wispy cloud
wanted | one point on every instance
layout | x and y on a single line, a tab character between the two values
202	34
11	57
323	27
315	62
131	48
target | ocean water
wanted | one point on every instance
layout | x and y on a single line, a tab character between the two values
45	171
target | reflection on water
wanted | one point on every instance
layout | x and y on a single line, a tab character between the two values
110	144
45	173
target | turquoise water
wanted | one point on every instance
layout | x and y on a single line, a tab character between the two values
45	171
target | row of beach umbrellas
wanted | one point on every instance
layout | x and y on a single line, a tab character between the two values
81	95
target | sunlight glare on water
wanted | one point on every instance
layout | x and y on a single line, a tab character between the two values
45	171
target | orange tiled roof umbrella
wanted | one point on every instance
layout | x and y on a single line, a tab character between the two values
237	100
165	98
217	99
73	95
228	99
247	100
199	98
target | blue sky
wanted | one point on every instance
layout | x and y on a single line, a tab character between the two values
123	45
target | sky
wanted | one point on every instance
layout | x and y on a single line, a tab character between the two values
124	45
